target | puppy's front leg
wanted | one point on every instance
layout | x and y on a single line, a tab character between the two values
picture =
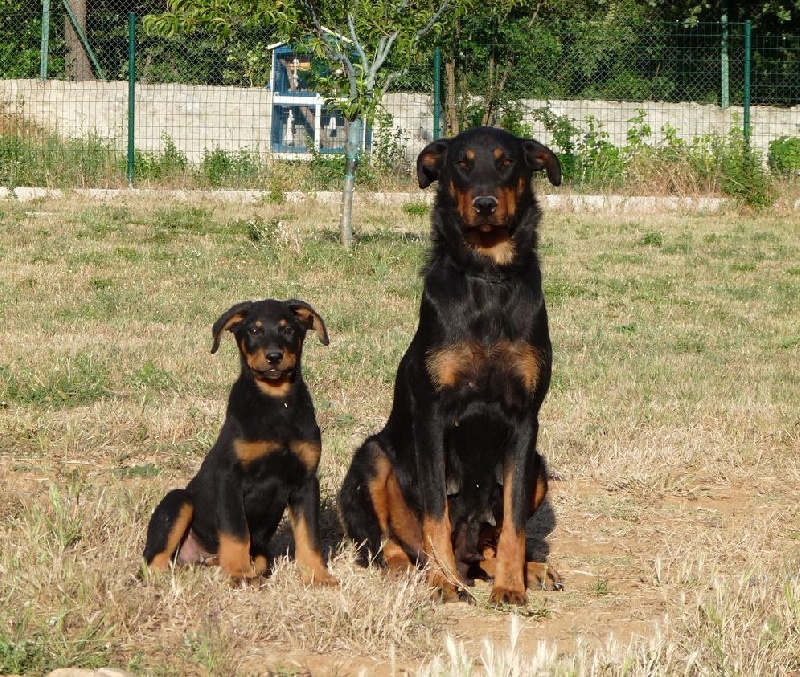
304	519
232	530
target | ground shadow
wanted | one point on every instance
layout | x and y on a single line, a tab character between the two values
539	527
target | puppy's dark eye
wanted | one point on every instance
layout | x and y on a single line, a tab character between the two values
254	331
288	330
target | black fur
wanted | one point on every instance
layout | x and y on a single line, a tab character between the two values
468	390
264	460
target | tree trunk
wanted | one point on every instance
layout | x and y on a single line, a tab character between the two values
352	150
450	98
489	96
78	66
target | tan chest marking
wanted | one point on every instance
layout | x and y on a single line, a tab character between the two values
496	244
469	360
250	451
308	452
447	366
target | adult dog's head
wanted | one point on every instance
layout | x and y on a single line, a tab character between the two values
485	210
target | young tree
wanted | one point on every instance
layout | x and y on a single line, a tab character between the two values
356	37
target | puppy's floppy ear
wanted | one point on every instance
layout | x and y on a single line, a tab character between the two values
430	162
233	317
540	157
309	318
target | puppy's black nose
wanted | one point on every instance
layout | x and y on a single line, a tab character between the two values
274	357
484	204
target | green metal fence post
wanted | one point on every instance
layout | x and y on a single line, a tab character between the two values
131	93
746	87
437	92
45	39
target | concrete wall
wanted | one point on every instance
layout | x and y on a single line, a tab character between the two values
689	120
198	118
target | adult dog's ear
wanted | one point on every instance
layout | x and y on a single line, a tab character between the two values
232	318
540	157
309	318
430	162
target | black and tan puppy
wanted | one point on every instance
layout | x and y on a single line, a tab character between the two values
264	460
454	476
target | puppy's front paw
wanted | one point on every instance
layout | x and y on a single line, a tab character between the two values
234	558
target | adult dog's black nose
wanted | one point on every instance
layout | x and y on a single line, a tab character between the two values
274	357
484	204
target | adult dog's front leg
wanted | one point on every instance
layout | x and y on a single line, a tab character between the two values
520	470
436	527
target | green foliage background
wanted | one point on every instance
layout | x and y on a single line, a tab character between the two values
618	49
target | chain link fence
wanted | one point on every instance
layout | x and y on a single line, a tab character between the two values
589	88
65	95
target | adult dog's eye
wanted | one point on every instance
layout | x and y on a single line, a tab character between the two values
463	165
506	162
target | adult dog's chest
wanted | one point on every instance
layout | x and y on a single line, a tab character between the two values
488	347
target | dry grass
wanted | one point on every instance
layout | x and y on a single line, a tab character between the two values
671	430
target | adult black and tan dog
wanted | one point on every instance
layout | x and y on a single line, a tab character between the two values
454	476
264	460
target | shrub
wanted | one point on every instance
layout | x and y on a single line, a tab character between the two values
728	162
231	168
388	153
167	164
784	156
743	175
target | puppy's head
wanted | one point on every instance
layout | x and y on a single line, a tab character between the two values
270	336
484	176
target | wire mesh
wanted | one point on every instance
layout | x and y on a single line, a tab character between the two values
201	99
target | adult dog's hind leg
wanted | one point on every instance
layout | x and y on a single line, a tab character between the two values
374	512
357	511
540	575
168	527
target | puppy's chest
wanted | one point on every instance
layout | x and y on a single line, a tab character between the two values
263	456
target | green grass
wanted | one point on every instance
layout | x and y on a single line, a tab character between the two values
711	164
70	381
670	427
